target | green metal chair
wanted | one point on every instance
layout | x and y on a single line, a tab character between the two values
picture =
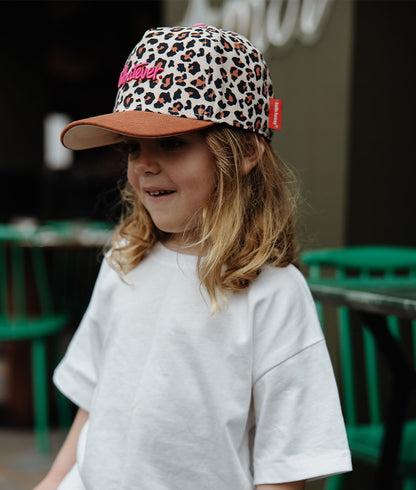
367	263
26	313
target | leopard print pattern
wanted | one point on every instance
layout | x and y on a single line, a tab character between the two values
200	73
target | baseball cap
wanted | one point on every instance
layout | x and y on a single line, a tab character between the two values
180	79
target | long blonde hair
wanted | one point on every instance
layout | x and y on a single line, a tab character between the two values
247	223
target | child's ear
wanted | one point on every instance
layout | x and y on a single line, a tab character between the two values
254	155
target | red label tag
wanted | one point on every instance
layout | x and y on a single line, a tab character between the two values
275	114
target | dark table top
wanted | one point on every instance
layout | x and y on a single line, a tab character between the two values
394	297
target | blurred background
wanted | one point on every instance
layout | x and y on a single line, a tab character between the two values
344	69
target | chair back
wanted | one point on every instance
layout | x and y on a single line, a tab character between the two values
25	289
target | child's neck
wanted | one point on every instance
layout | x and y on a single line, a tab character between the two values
177	244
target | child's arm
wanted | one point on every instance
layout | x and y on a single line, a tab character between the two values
296	485
66	457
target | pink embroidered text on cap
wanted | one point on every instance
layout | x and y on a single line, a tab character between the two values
139	72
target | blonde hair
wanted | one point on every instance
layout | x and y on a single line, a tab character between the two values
247	223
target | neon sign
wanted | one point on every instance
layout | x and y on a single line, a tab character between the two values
264	22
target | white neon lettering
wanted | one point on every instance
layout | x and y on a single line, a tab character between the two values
264	22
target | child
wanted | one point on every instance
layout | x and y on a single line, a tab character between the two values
200	362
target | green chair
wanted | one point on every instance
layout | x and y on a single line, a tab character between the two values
26	313
378	264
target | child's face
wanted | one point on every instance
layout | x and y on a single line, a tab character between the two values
173	177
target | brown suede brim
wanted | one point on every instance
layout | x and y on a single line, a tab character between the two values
109	129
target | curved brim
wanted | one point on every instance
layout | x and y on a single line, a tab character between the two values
109	129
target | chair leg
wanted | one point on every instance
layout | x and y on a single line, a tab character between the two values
409	484
335	482
40	395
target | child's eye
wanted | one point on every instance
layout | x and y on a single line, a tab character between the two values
172	143
129	147
132	147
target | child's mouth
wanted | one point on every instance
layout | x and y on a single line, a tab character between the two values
159	193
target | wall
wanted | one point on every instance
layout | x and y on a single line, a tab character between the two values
314	83
23	98
382	165
67	61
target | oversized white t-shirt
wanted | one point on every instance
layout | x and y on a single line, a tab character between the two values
182	399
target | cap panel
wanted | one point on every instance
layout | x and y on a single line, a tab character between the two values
198	72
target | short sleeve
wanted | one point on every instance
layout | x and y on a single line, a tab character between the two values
300	432
77	373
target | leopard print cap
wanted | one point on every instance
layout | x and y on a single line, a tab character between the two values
198	72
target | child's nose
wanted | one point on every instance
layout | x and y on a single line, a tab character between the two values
145	161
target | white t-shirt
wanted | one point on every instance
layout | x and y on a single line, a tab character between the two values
177	395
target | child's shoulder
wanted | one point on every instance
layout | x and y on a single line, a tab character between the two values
281	285
275	279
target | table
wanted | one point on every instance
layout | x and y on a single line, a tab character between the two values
374	301
71	233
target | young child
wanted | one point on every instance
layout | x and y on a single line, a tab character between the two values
200	362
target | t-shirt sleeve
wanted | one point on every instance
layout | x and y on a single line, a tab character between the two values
300	432
77	373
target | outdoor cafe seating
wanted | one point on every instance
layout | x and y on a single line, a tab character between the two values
363	376
37	299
